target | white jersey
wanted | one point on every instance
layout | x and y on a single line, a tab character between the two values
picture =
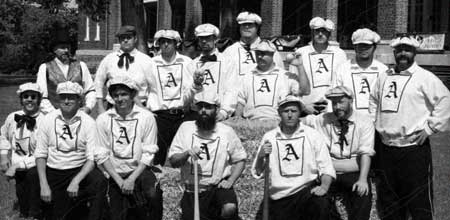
408	102
260	92
320	69
126	141
295	161
66	144
21	141
360	80
245	60
109	68
359	140
171	84
220	150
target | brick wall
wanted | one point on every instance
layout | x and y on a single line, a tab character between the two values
272	15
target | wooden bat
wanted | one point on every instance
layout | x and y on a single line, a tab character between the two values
196	203
266	189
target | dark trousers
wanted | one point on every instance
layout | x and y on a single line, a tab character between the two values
167	128
299	206
144	203
358	207
28	192
211	202
92	190
405	183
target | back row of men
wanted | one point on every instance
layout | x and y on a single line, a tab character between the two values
247	80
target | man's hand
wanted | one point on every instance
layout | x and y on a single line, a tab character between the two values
297	60
194	152
11	172
128	186
319	191
72	189
421	137
86	109
4	165
265	149
225	184
46	193
198	77
361	187
309	109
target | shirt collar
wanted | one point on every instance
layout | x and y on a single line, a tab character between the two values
76	117
160	59
252	45
298	132
328	50
351	118
411	70
59	63
136	109
215	51
132	52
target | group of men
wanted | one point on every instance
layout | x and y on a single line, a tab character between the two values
326	111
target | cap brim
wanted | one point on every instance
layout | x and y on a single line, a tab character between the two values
363	42
205	34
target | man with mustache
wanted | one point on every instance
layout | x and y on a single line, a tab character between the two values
65	159
220	157
349	135
410	104
17	144
64	67
242	54
319	60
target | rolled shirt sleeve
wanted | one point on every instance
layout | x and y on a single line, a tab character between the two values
149	145
322	156
439	98
235	148
102	151
89	87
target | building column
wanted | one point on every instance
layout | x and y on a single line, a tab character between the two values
193	17
272	16
114	22
164	17
327	9
392	18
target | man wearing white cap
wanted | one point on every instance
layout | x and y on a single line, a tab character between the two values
171	94
320	60
126	148
217	70
350	137
65	158
257	97
300	166
411	104
220	157
361	73
242	53
128	61
17	144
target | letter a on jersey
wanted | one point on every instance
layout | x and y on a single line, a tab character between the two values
362	83
290	156
208	155
123	134
321	67
264	89
67	134
212	74
170	81
393	91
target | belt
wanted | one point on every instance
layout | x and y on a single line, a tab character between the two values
201	188
173	111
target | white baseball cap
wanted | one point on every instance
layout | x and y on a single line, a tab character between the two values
365	36
206	30
29	87
247	17
123	80
407	40
69	87
169	34
319	22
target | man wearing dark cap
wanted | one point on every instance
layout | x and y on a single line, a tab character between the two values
349	135
128	61
64	67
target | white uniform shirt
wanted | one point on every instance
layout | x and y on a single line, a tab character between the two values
360	137
295	161
220	150
66	145
260	92
360	80
246	61
108	69
219	78
20	141
320	69
171	84
88	84
126	141
407	103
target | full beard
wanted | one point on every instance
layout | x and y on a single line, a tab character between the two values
206	123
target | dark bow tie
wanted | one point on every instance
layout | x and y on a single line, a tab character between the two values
249	53
208	58
343	123
25	119
128	59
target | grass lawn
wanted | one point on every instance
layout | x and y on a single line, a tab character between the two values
249	190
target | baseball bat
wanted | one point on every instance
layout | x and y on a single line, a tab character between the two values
196	203
266	189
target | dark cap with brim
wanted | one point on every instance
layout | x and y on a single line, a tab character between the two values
126	30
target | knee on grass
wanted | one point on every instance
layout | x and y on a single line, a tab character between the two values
228	211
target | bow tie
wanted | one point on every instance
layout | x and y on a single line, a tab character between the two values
128	59
249	53
25	119
208	58
343	123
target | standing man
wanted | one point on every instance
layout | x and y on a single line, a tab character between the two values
320	60
220	157
65	158
126	148
411	104
61	69
17	144
300	166
128	61
172	96
217	70
349	135
258	96
361	73
242	54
